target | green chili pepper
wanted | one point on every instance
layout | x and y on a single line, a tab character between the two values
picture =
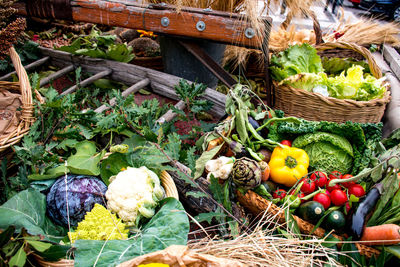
253	131
292	200
254	154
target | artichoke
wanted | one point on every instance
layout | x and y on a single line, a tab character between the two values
246	173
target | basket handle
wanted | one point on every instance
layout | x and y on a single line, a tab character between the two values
373	66
316	25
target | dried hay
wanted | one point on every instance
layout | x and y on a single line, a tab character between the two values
364	32
263	247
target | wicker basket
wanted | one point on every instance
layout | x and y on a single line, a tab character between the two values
170	191
316	107
24	87
258	205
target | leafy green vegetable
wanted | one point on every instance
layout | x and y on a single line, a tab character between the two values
98	45
27	210
170	226
336	65
304	81
86	159
294	60
327	152
354	85
362	137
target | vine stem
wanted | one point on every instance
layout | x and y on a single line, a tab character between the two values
176	165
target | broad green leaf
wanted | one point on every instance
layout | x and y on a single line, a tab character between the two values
112	166
394	250
85	160
42	184
50	174
27	210
39	246
170	226
209	216
55	252
19	258
204	158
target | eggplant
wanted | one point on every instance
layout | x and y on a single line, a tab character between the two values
358	219
263	133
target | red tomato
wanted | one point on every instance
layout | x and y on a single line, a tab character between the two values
331	188
308	186
356	190
279	193
338	197
348	184
323	199
286	142
319	178
335	175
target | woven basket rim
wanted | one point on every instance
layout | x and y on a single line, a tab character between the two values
337	101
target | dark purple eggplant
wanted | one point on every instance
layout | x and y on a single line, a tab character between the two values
358	219
263	133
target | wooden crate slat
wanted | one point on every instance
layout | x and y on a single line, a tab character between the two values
88	81
30	66
131	90
56	75
170	114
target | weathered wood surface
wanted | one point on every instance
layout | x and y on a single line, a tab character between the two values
161	83
225	28
131	90
393	58
30	66
170	115
56	75
88	81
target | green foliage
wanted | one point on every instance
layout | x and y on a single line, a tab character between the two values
327	152
355	133
98	45
170	226
27	209
190	94
294	60
28	52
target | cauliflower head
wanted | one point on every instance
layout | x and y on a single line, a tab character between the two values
133	193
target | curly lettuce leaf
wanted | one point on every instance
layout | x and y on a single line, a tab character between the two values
304	81
294	60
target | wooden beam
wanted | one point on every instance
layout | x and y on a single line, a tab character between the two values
170	113
30	66
56	75
131	90
217	26
88	81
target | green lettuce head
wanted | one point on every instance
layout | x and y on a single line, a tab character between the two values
327	152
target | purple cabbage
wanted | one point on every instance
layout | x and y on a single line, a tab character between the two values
82	192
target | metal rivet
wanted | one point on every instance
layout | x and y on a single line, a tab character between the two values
249	33
165	21
200	26
208	9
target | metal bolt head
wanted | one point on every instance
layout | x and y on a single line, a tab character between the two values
200	26
165	21
249	33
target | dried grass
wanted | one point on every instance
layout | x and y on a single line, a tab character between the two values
365	32
261	247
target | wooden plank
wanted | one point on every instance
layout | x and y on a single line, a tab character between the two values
131	90
170	113
88	81
56	75
393	58
225	29
30	66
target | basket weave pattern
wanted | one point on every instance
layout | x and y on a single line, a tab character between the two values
170	191
316	107
258	205
27	118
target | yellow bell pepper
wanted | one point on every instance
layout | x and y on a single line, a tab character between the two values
288	164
